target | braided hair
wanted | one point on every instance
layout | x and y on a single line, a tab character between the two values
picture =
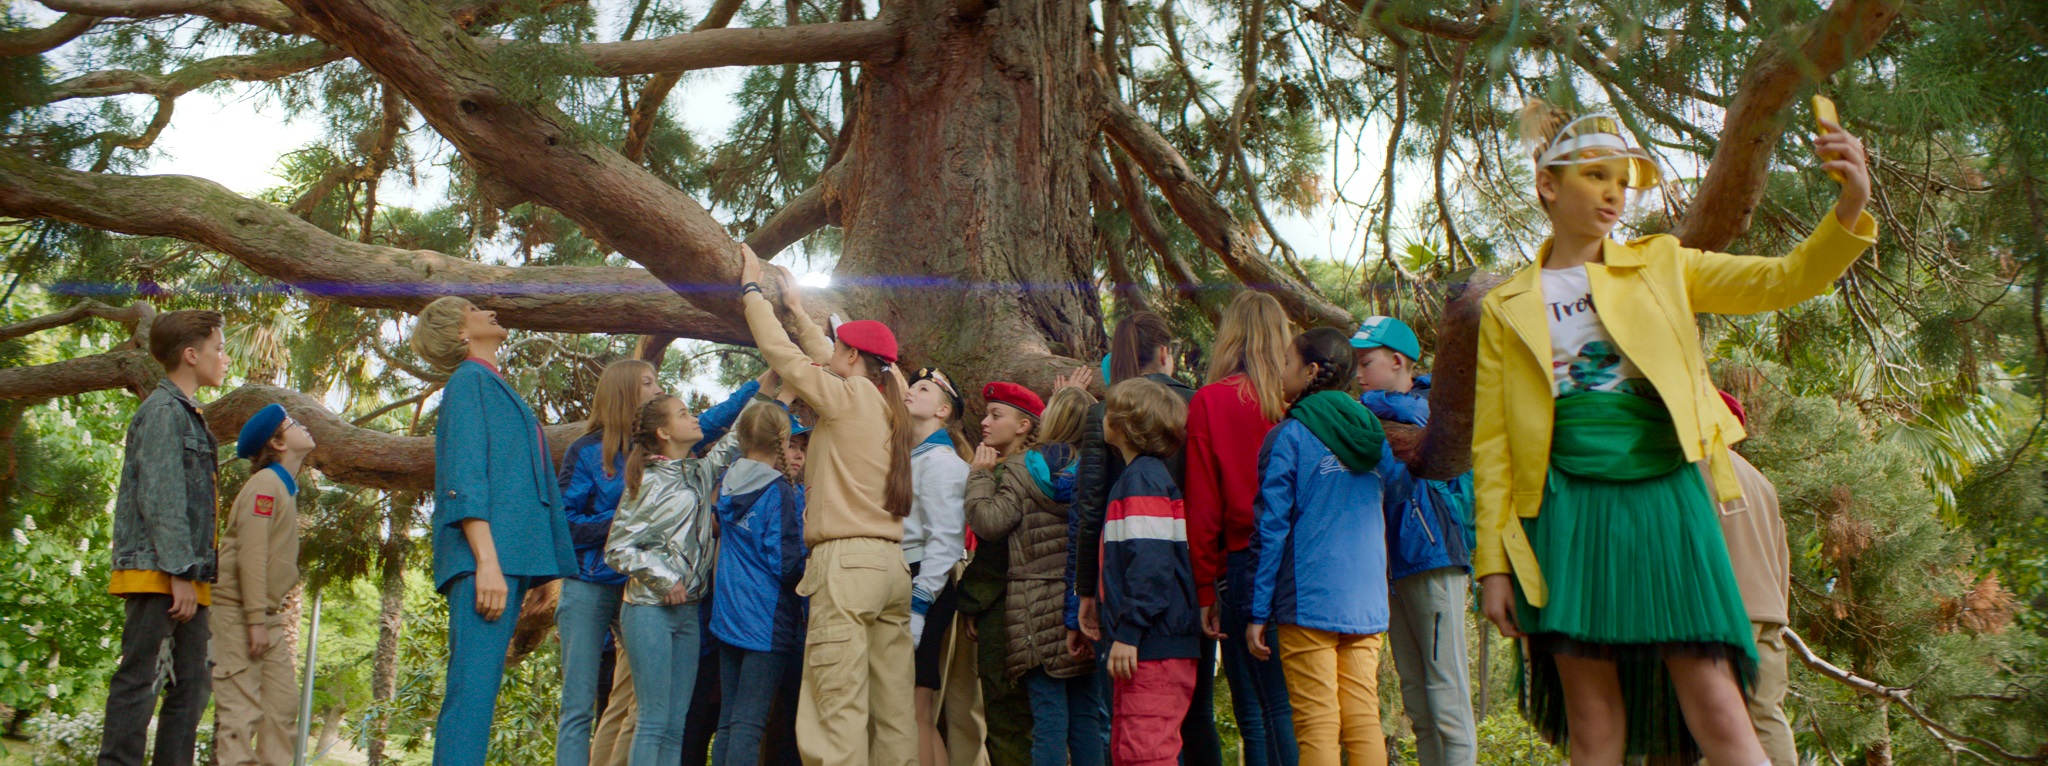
1329	349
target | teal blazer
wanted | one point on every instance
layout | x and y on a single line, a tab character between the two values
491	462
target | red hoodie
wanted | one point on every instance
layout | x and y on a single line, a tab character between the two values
1226	430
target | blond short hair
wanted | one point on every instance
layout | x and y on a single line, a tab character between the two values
437	336
1151	418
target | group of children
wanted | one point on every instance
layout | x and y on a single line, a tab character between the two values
876	591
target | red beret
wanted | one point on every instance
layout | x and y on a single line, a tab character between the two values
1735	407
1014	395
870	336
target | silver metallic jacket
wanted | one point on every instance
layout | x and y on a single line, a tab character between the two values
667	534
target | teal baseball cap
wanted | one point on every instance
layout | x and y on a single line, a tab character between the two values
1387	332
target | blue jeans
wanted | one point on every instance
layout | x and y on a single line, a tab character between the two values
756	685
1068	715
585	613
1258	689
476	668
661	642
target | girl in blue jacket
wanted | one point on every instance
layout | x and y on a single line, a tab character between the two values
497	523
1320	543
755	612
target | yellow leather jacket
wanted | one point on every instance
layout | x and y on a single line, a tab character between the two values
1649	291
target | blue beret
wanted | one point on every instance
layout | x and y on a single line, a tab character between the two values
259	429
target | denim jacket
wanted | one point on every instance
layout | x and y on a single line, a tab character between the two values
164	509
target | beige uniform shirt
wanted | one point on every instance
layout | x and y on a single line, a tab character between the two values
259	550
1756	545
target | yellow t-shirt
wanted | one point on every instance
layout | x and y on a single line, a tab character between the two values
126	581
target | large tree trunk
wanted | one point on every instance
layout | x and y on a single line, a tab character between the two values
966	203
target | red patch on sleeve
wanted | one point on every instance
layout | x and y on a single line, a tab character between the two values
264	504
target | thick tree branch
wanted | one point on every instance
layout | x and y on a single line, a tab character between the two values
528	149
1210	221
641	122
1897	695
1147	224
267	14
257	67
802	44
347	453
134	315
29	42
130	369
279	245
1734	183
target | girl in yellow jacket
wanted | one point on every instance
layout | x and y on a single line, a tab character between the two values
1598	542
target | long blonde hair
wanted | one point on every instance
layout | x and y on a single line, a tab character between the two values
1064	417
1252	341
615	407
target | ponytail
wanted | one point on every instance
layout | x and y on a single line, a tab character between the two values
1136	343
897	490
1329	349
647	427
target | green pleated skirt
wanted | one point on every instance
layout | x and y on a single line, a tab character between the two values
1637	569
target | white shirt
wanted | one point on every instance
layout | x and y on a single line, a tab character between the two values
935	532
1583	356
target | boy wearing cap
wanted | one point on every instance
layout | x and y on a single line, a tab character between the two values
1429	558
256	702
163	563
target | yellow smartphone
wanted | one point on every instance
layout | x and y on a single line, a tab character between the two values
1824	109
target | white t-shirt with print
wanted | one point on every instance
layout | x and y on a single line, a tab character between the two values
1583	356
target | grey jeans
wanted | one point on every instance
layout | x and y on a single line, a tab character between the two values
1427	634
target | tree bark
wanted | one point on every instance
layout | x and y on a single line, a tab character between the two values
861	40
358	456
131	369
965	208
29	42
279	245
524	148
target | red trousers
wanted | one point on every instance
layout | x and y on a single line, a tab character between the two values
1145	729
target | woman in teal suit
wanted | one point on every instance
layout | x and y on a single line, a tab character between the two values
498	525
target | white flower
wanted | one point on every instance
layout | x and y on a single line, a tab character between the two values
28	523
84	545
21	669
35	629
52	689
20	537
76	568
105	641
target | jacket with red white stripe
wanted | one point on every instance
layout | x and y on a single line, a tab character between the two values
1147	586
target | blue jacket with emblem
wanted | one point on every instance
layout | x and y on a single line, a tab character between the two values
591	494
761	553
1433	529
1320	538
491	462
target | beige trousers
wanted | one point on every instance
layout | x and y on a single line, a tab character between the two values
858	706
255	699
1767	700
613	740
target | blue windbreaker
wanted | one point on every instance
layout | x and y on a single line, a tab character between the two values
754	605
1320	538
1434	529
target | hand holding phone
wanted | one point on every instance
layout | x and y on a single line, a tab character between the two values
1824	115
